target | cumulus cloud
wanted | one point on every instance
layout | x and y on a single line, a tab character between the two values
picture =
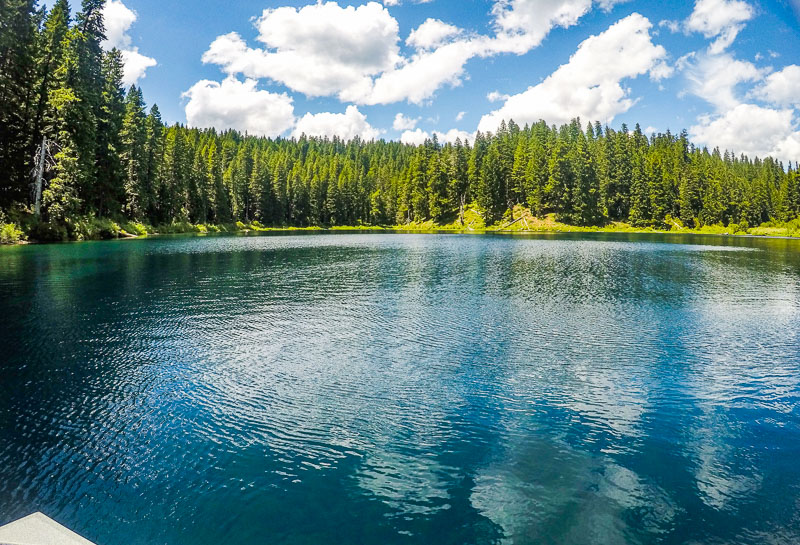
432	33
454	134
720	19
497	96
348	125
590	84
420	77
781	88
352	53
118	20
234	104
402	123
523	24
418	137
136	65
752	130
715	78
319	50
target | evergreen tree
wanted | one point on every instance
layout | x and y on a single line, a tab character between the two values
106	196
18	45
134	155
112	159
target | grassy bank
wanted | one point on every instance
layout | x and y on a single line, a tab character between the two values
521	221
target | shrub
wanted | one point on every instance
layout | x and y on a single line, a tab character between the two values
10	233
178	227
135	228
92	228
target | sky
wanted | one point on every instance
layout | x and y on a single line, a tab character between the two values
728	71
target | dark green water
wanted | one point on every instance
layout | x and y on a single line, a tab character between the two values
411	389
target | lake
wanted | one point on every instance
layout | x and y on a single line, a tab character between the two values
409	389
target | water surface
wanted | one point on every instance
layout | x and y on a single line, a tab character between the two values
409	389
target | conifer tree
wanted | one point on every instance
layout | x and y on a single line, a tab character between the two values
18	44
133	137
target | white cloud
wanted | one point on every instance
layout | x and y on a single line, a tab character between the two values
715	78
589	85
497	96
352	52
402	123
136	65
460	116
432	33
720	19
118	19
239	105
319	50
672	26
752	130
417	137
348	125
420	77
523	24
453	134
608	4
781	88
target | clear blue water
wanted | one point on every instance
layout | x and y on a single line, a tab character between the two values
409	389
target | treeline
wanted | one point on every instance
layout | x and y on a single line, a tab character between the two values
113	158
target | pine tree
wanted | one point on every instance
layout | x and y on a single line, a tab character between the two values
53	42
458	172
586	195
154	155
107	197
438	203
133	136
61	198
490	193
561	183
18	44
88	87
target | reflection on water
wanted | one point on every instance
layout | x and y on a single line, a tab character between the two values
380	389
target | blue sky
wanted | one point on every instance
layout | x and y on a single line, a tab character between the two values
727	70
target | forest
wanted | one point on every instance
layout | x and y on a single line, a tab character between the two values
111	159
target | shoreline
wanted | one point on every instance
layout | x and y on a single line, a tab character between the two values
222	230
519	220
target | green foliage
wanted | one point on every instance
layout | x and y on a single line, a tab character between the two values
10	233
92	228
118	169
136	229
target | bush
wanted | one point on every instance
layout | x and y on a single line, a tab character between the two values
135	228
49	232
673	224
10	233
178	227
91	228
